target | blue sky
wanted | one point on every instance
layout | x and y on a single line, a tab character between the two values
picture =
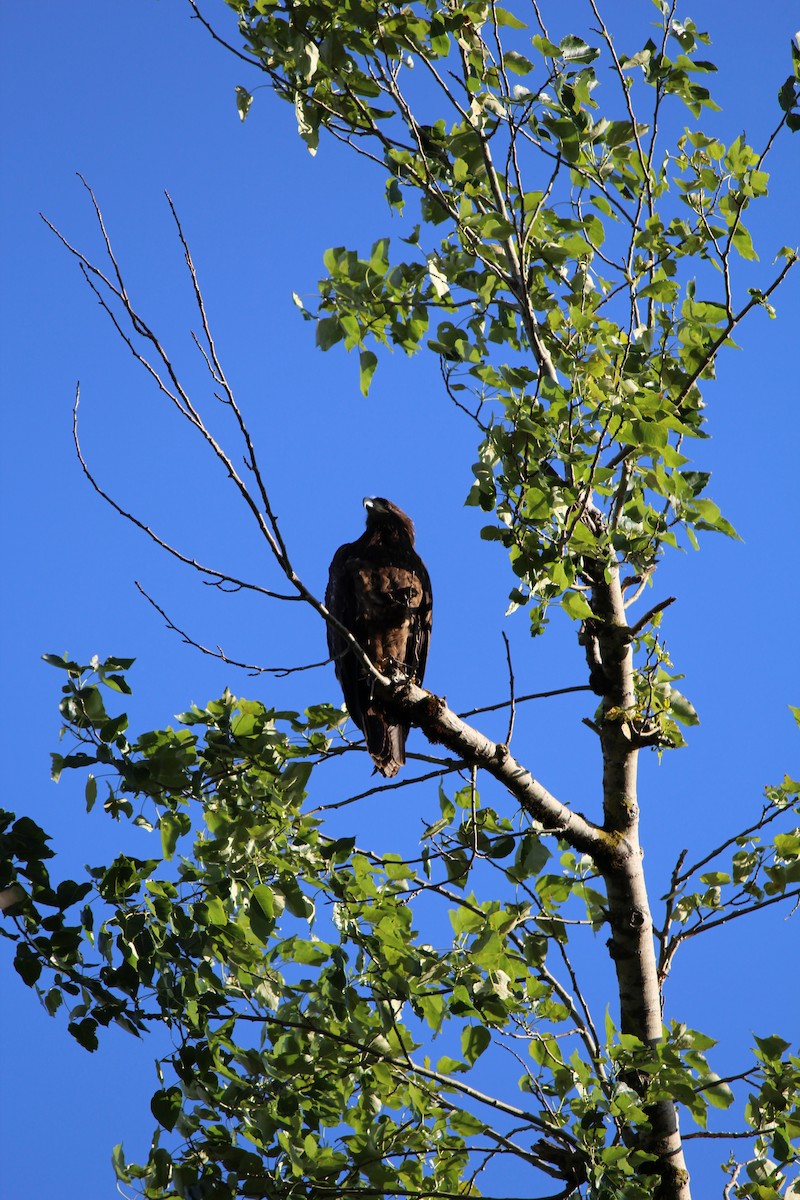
138	99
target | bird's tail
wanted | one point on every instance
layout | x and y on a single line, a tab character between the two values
386	743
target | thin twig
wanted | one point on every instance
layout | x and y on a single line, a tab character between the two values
730	325
703	926
389	787
219	652
704	1087
219	577
253	62
731	1184
472	712
230	399
766	818
636	629
511	701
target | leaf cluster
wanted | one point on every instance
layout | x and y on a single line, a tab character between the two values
302	998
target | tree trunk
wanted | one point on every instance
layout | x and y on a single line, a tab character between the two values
631	942
614	846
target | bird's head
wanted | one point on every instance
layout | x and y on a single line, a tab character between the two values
383	514
378	506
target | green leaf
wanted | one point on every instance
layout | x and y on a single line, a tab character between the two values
329	332
85	1033
545	47
27	964
117	683
118	664
771	1049
466	1124
53	1001
243	101
211	911
451	1066
367	364
263	897
494	227
172	826
532	854
166	1106
474	1040
575	49
63	663
744	243
379	257
517	63
711	518
576	606
719	1095
681	708
307	122
503	17
118	1163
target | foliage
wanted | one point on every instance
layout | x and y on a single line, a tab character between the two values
299	993
576	275
347	1021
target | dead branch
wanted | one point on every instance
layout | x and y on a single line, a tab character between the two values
217	578
251	668
179	398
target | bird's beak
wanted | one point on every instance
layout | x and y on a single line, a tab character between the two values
368	502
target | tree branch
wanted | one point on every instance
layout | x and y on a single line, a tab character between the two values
281	672
220	578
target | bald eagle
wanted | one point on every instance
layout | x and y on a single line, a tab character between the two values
380	591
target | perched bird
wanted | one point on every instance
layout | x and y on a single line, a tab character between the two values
379	590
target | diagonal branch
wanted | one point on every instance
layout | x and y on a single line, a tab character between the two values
281	672
219	578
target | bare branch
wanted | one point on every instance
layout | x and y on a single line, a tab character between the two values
511	701
725	1135
636	629
218	577
265	519
219	653
473	712
389	787
731	1184
198	16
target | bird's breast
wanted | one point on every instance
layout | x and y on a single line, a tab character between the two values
387	593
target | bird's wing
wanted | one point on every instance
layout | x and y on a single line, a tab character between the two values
342	602
417	656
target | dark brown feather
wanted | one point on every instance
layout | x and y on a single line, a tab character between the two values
379	589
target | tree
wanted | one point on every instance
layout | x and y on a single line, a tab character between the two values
571	333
